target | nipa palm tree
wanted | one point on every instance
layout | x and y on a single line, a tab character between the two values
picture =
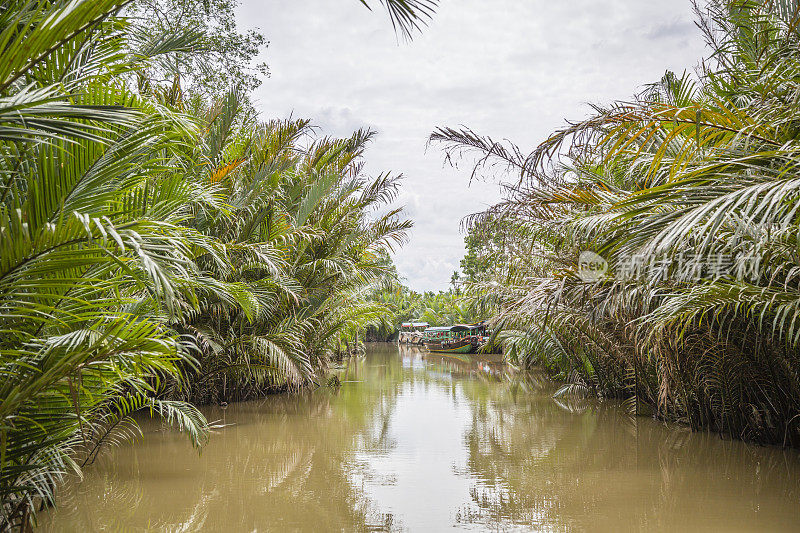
91	247
690	193
112	240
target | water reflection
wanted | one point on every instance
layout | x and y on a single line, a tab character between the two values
416	441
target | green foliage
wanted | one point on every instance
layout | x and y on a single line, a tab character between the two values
156	247
228	56
88	256
300	248
490	245
700	167
436	308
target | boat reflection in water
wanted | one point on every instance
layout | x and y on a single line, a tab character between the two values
426	442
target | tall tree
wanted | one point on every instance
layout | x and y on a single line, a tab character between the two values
224	58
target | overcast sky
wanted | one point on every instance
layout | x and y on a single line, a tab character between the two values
509	69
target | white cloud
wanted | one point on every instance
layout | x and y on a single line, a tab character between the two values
505	68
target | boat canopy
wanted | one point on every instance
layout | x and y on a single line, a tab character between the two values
457	327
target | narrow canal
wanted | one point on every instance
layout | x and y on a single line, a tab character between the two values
414	441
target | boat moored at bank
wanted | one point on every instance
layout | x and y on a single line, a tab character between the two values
411	332
460	338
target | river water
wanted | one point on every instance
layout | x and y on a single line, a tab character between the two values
419	442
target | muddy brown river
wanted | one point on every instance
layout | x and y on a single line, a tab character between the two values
417	442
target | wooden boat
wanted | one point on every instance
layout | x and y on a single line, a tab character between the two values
461	338
411	332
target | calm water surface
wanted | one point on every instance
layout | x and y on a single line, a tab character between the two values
418	442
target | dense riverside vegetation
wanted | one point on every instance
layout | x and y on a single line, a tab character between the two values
159	248
441	308
689	196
